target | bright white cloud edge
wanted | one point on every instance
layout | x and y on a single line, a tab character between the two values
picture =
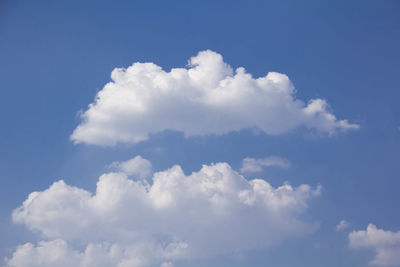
385	243
130	222
208	97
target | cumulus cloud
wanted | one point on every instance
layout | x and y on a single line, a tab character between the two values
342	225
137	167
207	97
257	165
59	253
174	217
385	243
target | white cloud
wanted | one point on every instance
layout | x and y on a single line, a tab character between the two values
176	217
385	243
342	225
257	165
137	167
54	253
208	97
58	253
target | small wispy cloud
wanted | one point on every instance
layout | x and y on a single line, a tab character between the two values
252	165
342	225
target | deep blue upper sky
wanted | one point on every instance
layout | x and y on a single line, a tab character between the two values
55	56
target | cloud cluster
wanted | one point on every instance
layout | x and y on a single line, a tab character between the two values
129	221
385	243
208	97
257	165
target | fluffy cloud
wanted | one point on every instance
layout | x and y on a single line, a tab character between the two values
385	243
256	165
58	253
342	225
208	97
131	222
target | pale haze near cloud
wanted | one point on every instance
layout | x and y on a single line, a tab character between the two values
343	224
251	165
130	222
208	97
385	243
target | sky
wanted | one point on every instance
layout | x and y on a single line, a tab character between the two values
199	133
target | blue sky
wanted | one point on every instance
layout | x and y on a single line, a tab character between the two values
56	56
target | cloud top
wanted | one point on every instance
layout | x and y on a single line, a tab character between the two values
385	243
207	97
137	167
130	222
